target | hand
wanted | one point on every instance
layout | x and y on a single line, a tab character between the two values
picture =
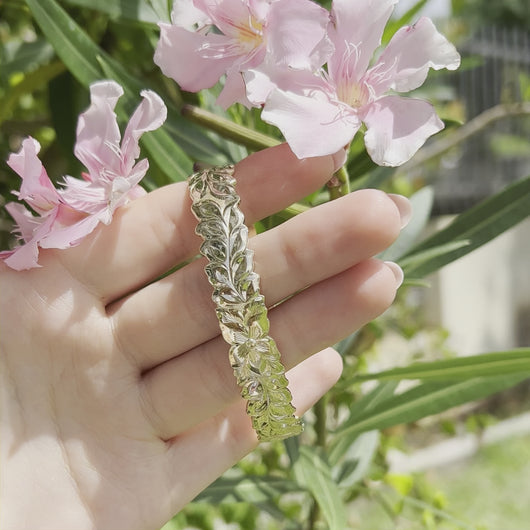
118	402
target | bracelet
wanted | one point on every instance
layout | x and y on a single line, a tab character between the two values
240	307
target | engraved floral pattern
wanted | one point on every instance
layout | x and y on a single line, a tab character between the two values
241	309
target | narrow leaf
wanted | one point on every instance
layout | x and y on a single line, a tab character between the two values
251	489
358	459
478	225
26	57
431	254
407	18
71	44
382	393
137	10
422	401
421	202
313	473
488	364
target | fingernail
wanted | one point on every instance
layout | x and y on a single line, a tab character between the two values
397	270
404	207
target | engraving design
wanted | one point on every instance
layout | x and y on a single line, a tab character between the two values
240	307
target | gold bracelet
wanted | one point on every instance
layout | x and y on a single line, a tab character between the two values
240	307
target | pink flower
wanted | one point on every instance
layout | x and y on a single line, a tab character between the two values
65	216
210	38
113	173
39	193
322	115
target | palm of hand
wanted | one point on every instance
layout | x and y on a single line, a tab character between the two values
118	402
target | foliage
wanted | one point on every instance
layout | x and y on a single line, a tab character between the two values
51	50
510	13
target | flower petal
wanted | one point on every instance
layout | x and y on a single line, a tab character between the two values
405	62
296	34
22	257
229	15
259	84
312	125
25	221
261	81
234	90
84	196
181	55
70	235
25	256
98	134
148	116
397	127
186	15
356	32
36	187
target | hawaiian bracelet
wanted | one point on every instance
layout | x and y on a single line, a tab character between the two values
240	307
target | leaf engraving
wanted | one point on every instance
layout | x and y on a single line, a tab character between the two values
240	307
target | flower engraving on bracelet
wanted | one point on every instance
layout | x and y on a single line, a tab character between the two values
240	307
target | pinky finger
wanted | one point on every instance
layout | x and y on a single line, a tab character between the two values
204	453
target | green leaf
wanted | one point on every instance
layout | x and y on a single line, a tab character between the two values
137	10
314	474
421	401
382	393
515	361
431	254
421	203
26	56
71	44
65	97
358	459
31	82
292	448
245	488
407	18
360	164
480	224
374	178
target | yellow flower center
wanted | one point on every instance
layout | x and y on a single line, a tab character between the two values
355	95
250	34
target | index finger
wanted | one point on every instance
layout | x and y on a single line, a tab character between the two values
156	232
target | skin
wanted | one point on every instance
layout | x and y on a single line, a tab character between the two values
118	404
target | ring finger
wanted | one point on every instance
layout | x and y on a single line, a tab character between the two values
203	379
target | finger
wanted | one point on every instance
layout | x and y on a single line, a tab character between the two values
203	377
156	232
175	314
219	442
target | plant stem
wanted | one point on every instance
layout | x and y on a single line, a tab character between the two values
339	185
239	134
320	412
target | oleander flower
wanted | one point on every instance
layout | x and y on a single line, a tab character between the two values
38	191
61	218
211	38
319	116
113	172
